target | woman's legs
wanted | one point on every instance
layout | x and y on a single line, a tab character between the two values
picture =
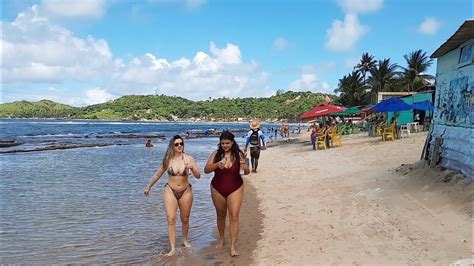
171	204
221	211
234	201
185	203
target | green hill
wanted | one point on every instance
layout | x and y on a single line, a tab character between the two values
288	105
40	109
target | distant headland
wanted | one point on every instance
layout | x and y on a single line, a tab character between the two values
284	106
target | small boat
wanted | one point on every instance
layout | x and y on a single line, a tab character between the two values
9	143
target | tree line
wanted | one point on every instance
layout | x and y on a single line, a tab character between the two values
282	106
371	76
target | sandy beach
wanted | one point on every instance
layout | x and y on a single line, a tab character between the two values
356	204
367	202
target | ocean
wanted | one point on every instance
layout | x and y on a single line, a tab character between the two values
86	205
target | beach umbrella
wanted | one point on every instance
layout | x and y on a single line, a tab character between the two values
392	104
322	110
424	105
348	112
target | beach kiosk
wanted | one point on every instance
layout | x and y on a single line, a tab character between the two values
450	142
407	117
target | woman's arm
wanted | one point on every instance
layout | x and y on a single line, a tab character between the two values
154	179
194	168
243	164
211	165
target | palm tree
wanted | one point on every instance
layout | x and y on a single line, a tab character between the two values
382	75
418	63
367	62
351	89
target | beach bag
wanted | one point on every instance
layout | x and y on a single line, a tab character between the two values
254	138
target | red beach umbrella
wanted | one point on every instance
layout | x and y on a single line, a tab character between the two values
322	110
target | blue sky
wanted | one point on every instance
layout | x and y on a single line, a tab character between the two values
82	52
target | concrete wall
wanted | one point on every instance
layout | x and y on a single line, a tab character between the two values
453	115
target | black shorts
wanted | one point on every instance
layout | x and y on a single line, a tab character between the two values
255	152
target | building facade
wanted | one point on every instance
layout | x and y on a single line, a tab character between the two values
452	137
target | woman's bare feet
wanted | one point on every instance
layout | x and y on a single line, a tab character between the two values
233	252
171	253
186	244
221	243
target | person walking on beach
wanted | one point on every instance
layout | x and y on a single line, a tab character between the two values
256	140
177	192
314	132
227	186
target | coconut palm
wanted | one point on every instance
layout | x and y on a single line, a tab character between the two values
418	63
382	75
367	62
351	89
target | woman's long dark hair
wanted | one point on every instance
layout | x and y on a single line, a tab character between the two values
170	150
234	150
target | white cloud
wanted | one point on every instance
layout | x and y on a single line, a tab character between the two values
309	81
280	44
75	9
36	50
429	26
97	95
38	53
229	55
221	73
342	36
360	6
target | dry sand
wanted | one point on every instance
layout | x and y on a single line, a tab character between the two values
355	205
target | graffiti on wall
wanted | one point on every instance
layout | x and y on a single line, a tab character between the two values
455	103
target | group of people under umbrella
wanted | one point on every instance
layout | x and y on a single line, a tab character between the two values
376	118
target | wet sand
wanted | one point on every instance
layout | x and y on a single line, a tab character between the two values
249	235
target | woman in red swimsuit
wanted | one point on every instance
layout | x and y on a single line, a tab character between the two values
227	188
177	192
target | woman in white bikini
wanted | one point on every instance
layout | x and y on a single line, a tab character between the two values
177	192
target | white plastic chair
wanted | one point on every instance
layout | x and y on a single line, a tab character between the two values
405	129
414	126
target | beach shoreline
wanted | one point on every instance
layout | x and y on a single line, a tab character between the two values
302	208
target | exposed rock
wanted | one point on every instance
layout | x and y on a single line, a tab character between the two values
63	147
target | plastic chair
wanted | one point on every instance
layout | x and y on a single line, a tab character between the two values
337	138
414	126
405	129
390	131
321	139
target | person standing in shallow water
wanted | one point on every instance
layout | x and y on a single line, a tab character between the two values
177	192
227	186
148	144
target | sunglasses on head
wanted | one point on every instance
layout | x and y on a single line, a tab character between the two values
178	144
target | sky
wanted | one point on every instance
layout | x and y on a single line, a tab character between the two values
83	52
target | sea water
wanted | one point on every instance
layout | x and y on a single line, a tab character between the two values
86	205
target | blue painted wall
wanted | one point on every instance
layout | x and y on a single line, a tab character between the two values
454	114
